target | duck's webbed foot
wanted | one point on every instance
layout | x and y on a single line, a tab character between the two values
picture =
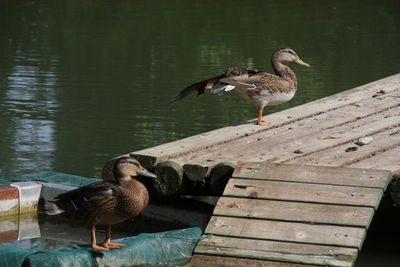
259	120
264	123
108	244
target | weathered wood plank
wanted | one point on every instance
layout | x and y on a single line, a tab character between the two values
389	159
294	211
221	261
314	193
313	174
286	231
203	141
338	156
277	251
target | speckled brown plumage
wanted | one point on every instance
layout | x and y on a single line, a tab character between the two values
106	198
106	202
260	88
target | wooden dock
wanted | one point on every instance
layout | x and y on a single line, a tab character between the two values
357	128
325	132
291	213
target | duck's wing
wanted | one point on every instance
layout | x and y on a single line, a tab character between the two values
95	194
262	81
227	81
199	87
240	78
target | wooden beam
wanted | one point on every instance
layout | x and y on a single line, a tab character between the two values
196	171
219	177
170	175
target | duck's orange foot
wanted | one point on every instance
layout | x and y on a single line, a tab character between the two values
264	123
114	245
95	246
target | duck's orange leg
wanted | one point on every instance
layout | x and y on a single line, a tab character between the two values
259	121
94	244
107	241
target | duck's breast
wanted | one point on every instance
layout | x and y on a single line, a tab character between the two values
277	98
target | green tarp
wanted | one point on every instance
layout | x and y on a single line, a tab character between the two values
172	248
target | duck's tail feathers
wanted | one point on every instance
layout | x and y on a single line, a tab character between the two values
51	208
199	87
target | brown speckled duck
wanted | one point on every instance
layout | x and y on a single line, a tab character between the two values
106	202
260	88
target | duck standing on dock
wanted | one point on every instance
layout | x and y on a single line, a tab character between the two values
261	88
106	202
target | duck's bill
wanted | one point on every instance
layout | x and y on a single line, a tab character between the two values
146	173
301	62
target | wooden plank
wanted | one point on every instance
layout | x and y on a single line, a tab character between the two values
286	231
313	174
389	159
294	211
314	193
337	156
221	261
277	251
203	141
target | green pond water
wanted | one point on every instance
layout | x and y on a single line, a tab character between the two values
84	81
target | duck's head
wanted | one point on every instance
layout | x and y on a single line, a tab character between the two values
128	167
286	55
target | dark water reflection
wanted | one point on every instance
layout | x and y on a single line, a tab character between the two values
81	82
84	81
